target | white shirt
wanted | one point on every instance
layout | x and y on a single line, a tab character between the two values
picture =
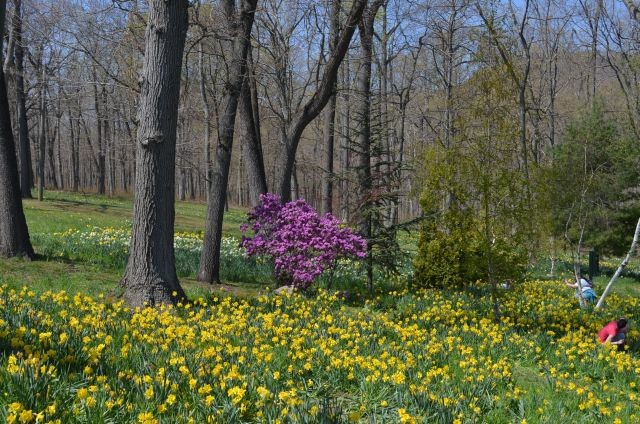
584	285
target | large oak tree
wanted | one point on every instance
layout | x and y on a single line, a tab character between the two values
150	277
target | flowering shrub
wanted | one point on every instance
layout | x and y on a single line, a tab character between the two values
301	243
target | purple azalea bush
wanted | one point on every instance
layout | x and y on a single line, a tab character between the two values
301	243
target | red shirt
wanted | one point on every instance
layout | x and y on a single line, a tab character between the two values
610	329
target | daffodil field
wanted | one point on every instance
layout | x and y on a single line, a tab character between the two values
434	357
109	247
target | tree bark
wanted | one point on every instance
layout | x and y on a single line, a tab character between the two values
61	174
622	266
109	151
249	134
14	234
75	180
363	140
330	117
101	158
150	277
291	137
209	270
207	118
43	133
53	179
346	142
8	60
23	126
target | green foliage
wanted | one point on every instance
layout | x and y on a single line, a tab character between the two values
458	255
476	198
446	256
594	176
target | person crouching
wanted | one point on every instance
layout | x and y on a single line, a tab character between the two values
615	332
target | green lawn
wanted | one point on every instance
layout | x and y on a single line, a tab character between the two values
61	211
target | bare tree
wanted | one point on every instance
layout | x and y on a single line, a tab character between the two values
592	16
520	77
330	116
620	50
240	31
300	118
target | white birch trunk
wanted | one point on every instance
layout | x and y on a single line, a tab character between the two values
621	267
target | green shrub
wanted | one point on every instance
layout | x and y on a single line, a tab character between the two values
457	253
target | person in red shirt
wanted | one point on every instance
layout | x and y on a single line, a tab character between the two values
615	333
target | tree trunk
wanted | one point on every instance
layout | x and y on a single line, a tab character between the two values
43	133
239	172
108	141
249	134
14	234
595	26
207	119
101	158
385	122
61	174
23	126
182	178
346	142
74	156
132	172
363	139
150	277
53	179
8	61
291	137
363	143
209	270
330	117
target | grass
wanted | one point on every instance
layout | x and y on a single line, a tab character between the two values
94	280
62	210
58	275
538	314
71	259
89	271
91	274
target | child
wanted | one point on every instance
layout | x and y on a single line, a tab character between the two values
585	286
615	332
